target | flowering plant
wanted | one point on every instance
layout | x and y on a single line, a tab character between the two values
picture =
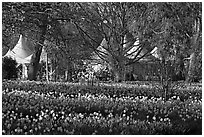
74	109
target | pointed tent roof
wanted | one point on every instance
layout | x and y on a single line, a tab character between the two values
154	53
18	59
23	51
23	48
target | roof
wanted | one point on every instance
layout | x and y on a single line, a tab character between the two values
23	48
23	51
154	53
18	58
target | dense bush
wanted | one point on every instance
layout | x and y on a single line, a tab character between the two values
71	109
9	68
104	74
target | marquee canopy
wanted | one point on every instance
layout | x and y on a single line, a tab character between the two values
23	51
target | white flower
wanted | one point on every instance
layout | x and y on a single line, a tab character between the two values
51	111
42	113
40	118
165	119
128	117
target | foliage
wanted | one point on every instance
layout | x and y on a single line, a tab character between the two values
171	37
46	24
111	21
162	25
183	23
93	72
103	73
77	29
52	112
9	68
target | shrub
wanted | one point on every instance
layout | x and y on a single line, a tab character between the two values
104	74
9	68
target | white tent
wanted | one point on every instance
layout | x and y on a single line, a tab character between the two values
23	52
18	58
23	48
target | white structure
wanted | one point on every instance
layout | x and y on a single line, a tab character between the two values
22	53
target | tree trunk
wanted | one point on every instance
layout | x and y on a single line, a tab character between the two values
119	74
118	67
47	71
68	75
194	54
192	67
34	65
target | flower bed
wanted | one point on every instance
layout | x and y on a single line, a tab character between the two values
71	109
112	90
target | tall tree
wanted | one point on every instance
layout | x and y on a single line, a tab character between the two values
66	48
113	21
186	31
24	16
128	31
36	18
195	38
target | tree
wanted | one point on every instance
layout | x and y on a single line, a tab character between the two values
146	24
186	28
189	20
24	16
113	22
172	40
196	47
128	31
43	22
66	47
